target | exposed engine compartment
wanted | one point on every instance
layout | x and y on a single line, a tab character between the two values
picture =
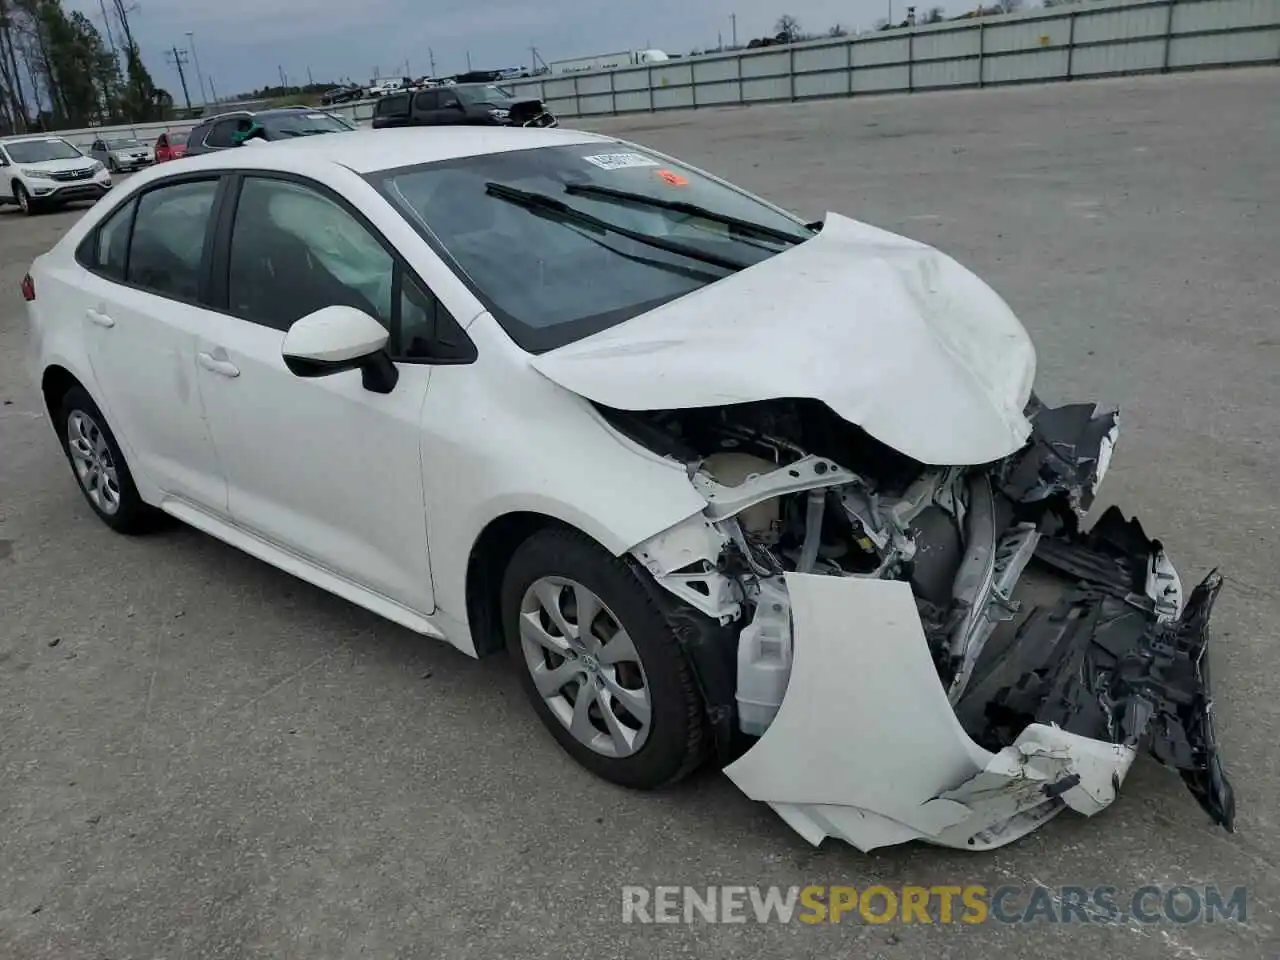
894	518
1094	641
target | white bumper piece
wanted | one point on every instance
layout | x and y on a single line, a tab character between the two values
866	747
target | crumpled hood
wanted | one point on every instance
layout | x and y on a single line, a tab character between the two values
891	334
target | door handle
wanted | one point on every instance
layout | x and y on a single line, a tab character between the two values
100	318
218	364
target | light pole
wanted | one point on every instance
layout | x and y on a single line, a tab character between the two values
191	42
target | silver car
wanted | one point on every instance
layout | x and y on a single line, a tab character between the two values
121	154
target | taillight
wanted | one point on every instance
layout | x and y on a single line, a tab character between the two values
28	288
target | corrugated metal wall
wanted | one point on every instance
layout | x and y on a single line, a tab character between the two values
1084	40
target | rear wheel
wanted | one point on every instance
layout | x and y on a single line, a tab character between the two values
99	466
599	658
112	166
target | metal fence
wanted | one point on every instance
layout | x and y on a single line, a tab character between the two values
1095	39
1059	43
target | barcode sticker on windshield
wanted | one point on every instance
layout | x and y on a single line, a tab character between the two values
620	161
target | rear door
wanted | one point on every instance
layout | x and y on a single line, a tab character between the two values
140	299
426	105
322	467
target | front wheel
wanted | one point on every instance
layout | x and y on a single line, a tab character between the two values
598	651
25	203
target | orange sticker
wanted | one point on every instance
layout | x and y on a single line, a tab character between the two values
673	178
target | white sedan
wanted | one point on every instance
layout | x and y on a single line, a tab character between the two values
725	484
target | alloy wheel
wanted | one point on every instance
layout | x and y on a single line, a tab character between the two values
94	466
585	666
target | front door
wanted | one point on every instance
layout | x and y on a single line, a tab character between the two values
321	467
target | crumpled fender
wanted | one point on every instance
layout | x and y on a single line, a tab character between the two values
867	748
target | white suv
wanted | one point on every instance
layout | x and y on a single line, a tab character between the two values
41	171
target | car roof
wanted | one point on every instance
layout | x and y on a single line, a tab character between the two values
368	151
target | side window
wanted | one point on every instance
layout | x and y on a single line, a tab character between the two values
220	133
110	244
97	145
426	329
165	255
393	106
295	251
448	99
426	100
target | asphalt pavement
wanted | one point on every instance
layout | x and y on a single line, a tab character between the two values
201	756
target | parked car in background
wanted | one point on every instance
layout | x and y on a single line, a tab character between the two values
391	85
171	145
784	494
41	171
343	94
229	130
463	104
121	154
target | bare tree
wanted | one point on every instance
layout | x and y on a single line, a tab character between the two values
935	15
837	30
788	27
1008	6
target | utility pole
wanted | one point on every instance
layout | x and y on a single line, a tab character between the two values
191	44
468	61
284	83
310	81
106	23
733	18
432	54
179	58
213	91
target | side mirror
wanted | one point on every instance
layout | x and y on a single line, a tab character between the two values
339	338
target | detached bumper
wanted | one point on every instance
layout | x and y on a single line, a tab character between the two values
1101	660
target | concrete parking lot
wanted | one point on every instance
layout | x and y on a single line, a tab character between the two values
201	756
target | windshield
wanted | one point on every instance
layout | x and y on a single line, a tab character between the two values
123	143
302	124
549	276
37	151
489	93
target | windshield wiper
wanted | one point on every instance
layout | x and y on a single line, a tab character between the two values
684	206
542	204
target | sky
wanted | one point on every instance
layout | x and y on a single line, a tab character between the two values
244	44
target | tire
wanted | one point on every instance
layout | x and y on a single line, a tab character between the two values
23	199
557	564
87	440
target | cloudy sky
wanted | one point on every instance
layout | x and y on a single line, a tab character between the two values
242	44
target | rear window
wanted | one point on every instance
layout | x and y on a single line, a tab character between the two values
301	124
178	136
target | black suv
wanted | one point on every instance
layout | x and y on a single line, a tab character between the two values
284	123
464	103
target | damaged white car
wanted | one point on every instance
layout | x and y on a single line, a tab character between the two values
727	485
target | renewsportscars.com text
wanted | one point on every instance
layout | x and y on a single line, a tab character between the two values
939	904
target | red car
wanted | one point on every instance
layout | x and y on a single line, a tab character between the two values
171	145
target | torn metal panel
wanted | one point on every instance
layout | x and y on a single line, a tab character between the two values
1068	455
